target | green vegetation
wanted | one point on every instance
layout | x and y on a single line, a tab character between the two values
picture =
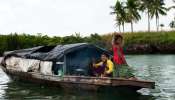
155	38
14	41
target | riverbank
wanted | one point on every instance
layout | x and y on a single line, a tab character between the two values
147	42
135	43
150	49
150	43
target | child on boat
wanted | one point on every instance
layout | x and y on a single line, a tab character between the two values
121	68
105	67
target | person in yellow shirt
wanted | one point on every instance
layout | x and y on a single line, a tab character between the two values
105	67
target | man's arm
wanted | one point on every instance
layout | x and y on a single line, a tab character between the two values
97	65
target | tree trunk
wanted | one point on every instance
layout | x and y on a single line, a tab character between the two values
148	22
131	26
119	28
157	23
123	27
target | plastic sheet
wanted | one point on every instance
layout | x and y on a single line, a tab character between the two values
22	64
46	67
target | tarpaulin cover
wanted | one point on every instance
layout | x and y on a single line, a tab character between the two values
50	53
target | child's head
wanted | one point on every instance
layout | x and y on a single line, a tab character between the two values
104	57
118	39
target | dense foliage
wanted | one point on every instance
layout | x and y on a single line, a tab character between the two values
19	41
15	41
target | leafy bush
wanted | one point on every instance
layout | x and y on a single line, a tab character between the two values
20	41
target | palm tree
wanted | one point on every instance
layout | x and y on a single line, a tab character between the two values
132	13
123	20
162	25
172	7
158	9
146	5
120	13
172	24
118	24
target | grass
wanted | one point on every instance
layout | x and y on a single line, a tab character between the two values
156	38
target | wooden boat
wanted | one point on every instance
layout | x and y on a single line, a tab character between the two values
69	58
79	82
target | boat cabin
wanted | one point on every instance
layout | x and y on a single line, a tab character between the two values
71	59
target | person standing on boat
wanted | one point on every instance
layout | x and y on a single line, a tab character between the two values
121	68
105	67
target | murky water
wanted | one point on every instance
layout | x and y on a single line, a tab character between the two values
159	68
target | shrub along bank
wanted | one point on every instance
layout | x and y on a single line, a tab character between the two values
135	43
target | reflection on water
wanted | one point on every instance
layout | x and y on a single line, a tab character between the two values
31	91
159	68
3	83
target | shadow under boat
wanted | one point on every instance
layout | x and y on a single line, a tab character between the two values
22	90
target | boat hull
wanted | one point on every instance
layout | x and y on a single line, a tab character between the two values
79	82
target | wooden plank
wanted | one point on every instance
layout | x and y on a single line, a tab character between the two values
81	80
138	83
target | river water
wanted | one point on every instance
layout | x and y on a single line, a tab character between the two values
158	68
